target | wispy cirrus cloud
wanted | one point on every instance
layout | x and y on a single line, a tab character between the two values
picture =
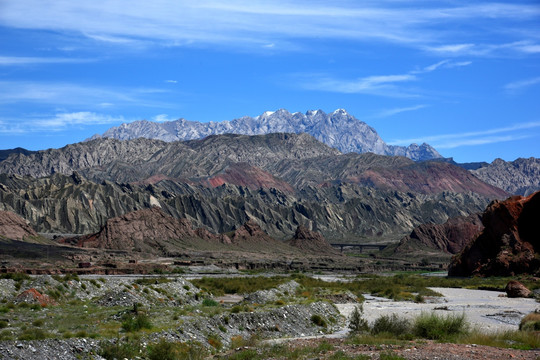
243	23
381	85
522	47
395	111
63	120
449	141
63	93
21	60
517	86
57	122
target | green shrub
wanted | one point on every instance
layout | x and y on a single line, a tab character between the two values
210	302
163	350
18	277
318	320
390	356
3	324
530	322
121	349
357	323
136	323
391	324
38	322
436	327
236	309
33	334
214	341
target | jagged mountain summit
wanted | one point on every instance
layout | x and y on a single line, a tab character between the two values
338	129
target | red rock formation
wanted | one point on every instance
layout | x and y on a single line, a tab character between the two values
311	241
427	178
148	230
450	237
509	244
251	177
14	227
250	232
32	296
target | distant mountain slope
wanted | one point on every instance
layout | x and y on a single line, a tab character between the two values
342	212
4	154
255	161
520	177
338	129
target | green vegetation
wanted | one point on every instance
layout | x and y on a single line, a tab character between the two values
126	348
238	285
391	324
318	320
209	302
132	323
152	280
437	327
357	323
169	350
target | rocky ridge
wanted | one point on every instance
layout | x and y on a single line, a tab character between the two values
311	241
285	161
12	226
450	237
509	243
520	177
337	129
75	205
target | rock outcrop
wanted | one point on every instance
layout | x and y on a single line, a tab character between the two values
148	231
450	237
12	226
310	241
509	243
519	177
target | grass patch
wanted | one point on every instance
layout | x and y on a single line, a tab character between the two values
440	327
522	340
238	285
391	324
135	323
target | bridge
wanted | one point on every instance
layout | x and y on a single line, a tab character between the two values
360	247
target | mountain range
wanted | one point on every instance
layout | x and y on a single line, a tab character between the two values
278	180
338	129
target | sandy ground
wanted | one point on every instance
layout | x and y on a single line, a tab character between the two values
489	311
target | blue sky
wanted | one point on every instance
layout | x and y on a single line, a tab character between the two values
463	76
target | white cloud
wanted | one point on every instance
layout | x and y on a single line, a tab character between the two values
161	118
447	141
451	49
391	112
63	120
382	85
480	141
171	81
76	95
57	122
243	23
19	60
519	85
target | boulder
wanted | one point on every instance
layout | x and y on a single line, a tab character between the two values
515	289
